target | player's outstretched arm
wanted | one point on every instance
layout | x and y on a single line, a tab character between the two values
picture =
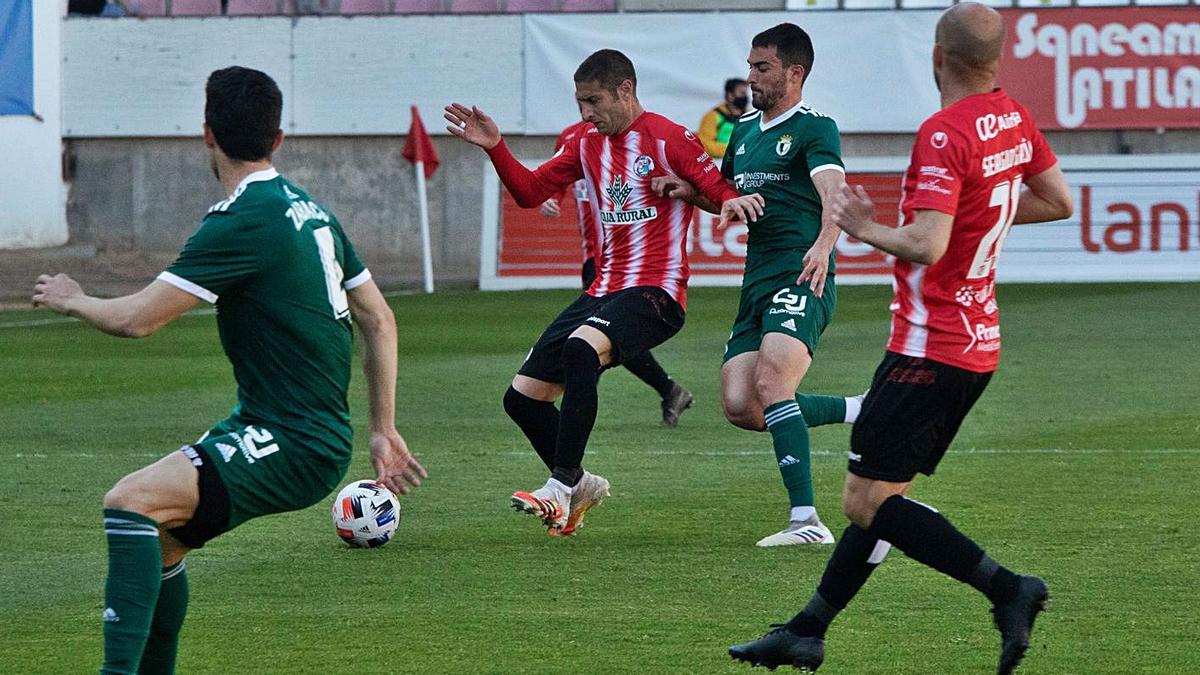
922	241
816	261
135	316
394	465
1045	197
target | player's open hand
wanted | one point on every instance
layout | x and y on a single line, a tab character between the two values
852	210
816	268
55	292
673	187
472	125
550	208
745	209
395	466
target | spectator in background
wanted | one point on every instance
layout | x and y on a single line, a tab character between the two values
719	122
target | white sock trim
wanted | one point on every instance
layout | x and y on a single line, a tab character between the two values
879	552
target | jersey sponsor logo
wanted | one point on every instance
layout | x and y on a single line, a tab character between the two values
783	145
643	165
983	296
791	304
939	172
905	375
702	158
741	149
629	217
752	180
939	139
302	212
990	125
934	185
984	337
618	192
596	319
1006	159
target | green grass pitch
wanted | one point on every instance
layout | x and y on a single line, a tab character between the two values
1078	464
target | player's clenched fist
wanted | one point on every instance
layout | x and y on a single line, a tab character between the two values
54	292
746	209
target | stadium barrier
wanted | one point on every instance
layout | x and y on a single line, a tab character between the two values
1137	218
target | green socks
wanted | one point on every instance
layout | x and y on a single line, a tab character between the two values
159	655
790	435
821	410
131	592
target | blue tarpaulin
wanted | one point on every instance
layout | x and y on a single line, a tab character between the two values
16	57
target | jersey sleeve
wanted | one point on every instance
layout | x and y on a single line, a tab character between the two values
823	146
691	162
354	272
940	159
215	259
531	188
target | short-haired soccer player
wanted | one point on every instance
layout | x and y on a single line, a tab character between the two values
637	301
674	397
978	166
286	281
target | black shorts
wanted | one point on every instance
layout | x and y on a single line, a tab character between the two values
909	417
212	514
588	274
635	320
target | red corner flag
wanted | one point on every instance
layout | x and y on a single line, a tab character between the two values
418	147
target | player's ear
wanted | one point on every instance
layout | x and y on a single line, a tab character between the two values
797	71
277	142
210	141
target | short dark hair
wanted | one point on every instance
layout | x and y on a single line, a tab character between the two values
609	67
791	43
243	108
733	83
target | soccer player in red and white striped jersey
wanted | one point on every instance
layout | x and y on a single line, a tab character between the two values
638	298
675	398
978	166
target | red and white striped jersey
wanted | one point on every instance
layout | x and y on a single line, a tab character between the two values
968	161
641	238
587	223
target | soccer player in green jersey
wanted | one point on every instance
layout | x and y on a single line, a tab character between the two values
287	284
789	154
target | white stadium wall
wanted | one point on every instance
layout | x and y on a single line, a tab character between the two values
32	194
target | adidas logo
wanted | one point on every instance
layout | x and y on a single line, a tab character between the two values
788	460
110	615
790	324
741	149
855	457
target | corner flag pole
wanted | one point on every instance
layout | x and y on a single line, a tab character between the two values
423	201
418	149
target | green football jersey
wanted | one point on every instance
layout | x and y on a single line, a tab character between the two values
777	159
277	266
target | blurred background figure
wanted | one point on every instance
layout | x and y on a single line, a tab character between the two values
718	123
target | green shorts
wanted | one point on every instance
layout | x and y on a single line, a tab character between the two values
776	304
247	471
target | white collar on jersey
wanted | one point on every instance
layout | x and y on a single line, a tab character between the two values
266	174
763	126
258	176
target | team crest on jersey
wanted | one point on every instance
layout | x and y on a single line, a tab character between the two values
783	145
619	191
643	165
939	139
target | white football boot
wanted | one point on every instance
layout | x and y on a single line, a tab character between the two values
811	531
551	503
589	492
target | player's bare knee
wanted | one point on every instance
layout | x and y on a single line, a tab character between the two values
125	496
742	414
859	509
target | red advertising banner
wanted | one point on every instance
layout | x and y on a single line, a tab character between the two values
534	245
1105	68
